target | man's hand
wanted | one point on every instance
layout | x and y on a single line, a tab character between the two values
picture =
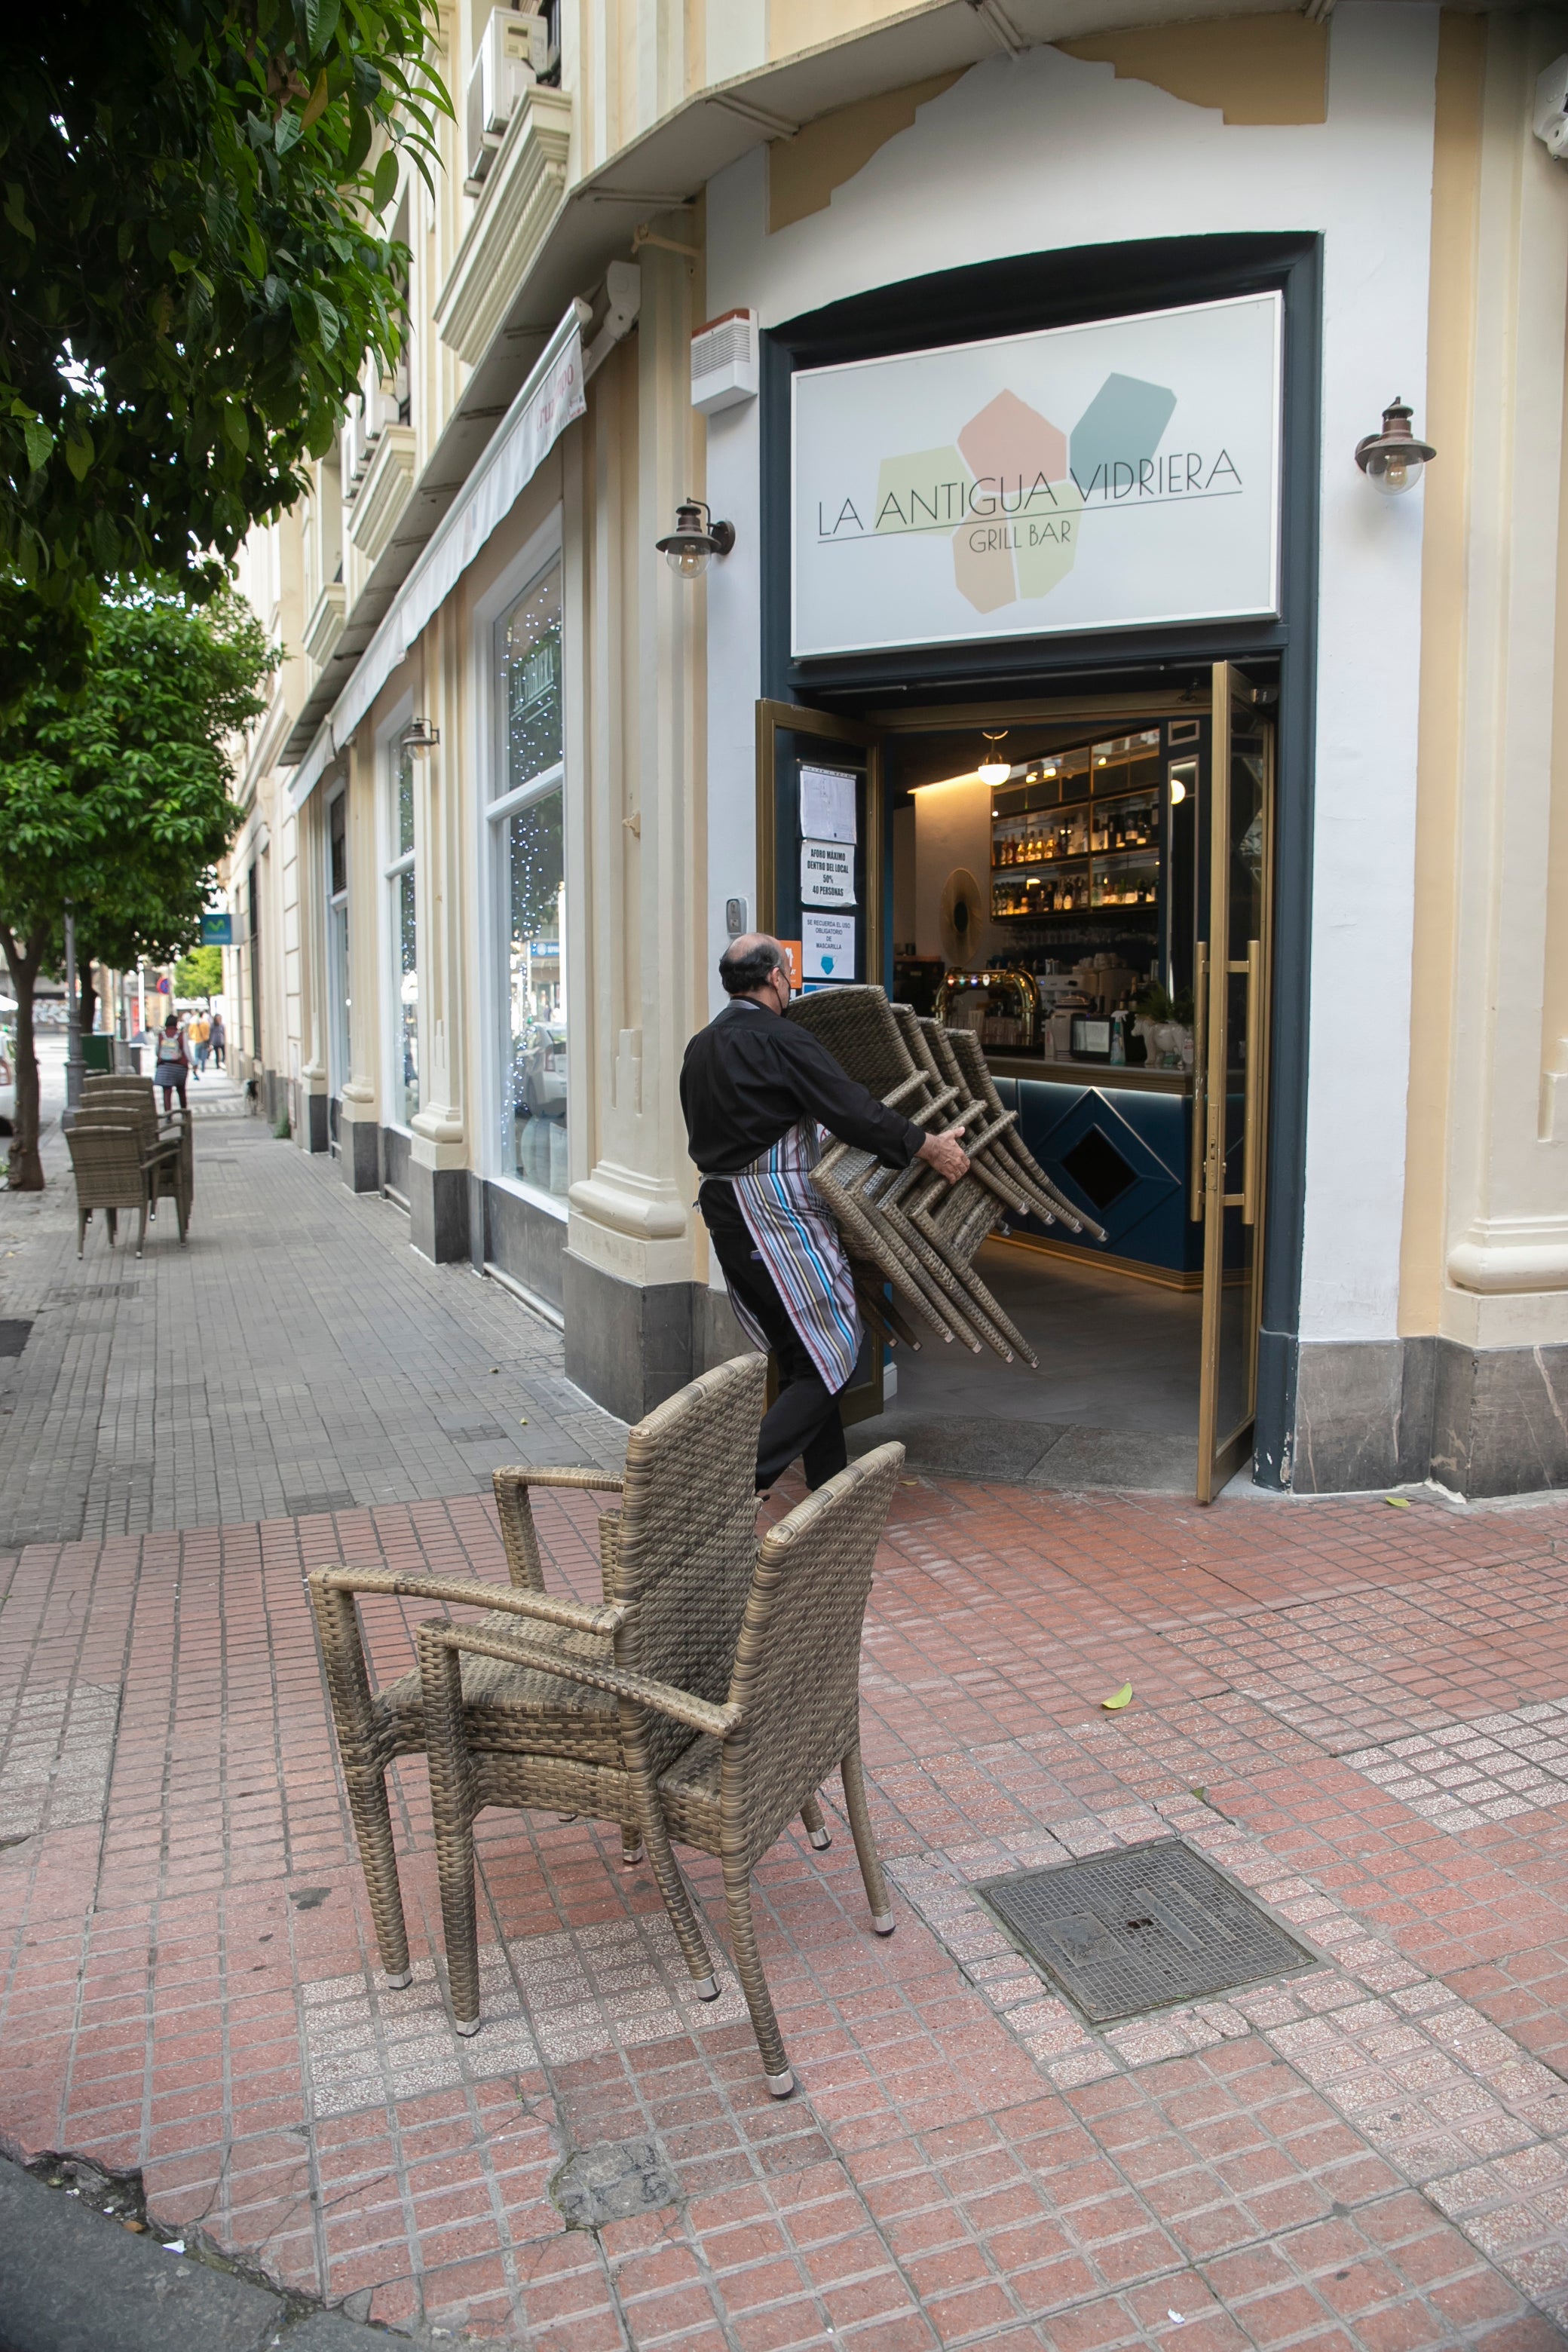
946	1155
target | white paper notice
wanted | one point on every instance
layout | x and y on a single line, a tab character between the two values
828	804
827	873
827	946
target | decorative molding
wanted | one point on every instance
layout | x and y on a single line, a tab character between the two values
1512	1253
384	491
651	1207
325	626
524	190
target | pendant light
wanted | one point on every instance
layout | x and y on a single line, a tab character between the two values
994	769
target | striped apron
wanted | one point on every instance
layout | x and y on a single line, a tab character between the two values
798	1243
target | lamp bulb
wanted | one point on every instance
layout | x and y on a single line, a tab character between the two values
687	562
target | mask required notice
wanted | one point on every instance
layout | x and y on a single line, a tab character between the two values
827	946
827	874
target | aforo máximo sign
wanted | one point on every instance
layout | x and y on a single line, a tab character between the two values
1116	475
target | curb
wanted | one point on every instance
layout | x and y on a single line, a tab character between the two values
71	2280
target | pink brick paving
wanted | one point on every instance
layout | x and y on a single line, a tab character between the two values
1372	2156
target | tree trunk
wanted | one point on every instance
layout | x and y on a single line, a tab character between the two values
26	1169
88	1012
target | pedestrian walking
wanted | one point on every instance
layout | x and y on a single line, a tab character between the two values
173	1063
200	1035
216	1043
756	1090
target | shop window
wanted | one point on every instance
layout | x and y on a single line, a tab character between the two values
526	823
403	933
337	942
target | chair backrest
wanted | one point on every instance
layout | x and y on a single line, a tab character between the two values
797	1666
106	1160
858	1027
120	1082
141	1116
686	1540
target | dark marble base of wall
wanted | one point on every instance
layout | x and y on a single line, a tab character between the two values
525	1240
317	1136
359	1155
716	1336
629	1348
1490	1421
438	1211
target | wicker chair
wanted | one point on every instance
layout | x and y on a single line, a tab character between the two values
170	1137
113	1172
731	1773
676	1564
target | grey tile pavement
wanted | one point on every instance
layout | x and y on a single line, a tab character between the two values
297	1356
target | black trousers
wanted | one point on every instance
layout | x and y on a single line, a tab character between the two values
803	1419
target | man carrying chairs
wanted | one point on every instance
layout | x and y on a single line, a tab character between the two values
755	1089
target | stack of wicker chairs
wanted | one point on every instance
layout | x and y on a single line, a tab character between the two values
166	1142
906	1228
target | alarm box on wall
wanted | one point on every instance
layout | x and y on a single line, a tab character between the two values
724	362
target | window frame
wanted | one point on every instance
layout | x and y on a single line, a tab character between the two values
393	864
340	997
493	811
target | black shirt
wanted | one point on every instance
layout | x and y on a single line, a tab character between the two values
751	1075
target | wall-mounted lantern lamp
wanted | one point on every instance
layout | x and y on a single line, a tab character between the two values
1393	460
695	538
994	769
420	737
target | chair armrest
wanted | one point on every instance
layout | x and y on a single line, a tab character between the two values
471	1593
601	1482
698	1714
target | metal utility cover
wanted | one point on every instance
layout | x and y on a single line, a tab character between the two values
1142	1928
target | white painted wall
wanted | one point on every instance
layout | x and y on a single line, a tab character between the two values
1043	152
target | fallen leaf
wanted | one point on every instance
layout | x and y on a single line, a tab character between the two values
173	2245
522	1421
1398	1502
1118	1699
139	2227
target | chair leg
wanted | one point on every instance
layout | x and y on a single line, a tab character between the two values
373	1830
452	1809
111	1218
141	1230
817	1829
776	2071
672	1887
81	1218
860	1814
631	1845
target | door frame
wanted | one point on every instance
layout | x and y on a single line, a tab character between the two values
773	719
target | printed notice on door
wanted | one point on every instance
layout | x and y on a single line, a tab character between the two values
827	874
828	804
827	946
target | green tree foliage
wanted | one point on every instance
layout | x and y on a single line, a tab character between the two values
191	268
200	973
116	798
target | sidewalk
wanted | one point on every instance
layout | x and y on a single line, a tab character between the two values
1359	1712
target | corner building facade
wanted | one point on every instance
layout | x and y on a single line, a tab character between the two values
1028	360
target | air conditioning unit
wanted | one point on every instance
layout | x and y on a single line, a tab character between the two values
724	362
368	417
514	50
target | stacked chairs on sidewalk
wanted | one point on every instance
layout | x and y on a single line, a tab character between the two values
907	1228
167	1143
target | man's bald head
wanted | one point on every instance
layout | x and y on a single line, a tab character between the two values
747	963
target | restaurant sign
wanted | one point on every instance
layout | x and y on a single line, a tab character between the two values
1122	474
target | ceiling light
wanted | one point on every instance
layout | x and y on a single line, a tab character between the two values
994	769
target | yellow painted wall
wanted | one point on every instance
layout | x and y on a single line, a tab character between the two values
802	172
796	25
1456	196
1271	69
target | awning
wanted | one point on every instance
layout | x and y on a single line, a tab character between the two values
549	401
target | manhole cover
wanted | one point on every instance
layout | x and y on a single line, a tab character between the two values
13	1332
69	1293
1142	1929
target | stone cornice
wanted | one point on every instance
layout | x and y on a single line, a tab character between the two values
522	193
384	491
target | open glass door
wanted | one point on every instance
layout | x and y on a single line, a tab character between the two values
1230	1109
820	869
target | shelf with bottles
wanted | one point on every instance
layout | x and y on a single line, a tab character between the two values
1128	878
1036	892
1104	796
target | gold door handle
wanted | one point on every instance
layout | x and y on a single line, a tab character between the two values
1200	1078
1252	1139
